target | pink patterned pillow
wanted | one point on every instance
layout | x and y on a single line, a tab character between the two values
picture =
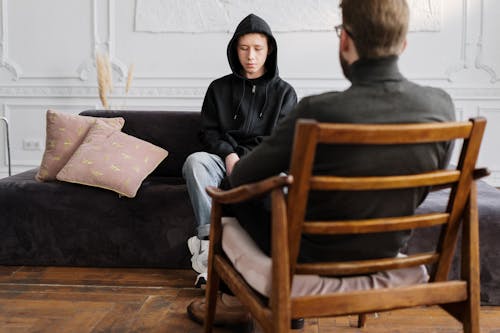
64	134
112	160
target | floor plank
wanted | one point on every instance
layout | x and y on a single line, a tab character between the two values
102	276
7	271
91	300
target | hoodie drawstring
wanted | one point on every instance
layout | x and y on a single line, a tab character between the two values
241	100
261	114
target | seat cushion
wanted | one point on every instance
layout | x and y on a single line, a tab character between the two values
255	267
64	224
488	201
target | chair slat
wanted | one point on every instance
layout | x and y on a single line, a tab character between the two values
332	183
360	267
379	299
458	198
392	134
374	225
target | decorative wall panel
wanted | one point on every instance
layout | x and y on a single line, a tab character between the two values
48	39
488	51
196	16
5	62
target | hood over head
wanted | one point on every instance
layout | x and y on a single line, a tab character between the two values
253	24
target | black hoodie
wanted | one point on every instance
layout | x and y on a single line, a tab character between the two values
237	112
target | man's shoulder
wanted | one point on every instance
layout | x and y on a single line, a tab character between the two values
329	97
432	97
426	92
316	106
430	89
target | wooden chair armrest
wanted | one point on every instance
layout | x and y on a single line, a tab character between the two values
478	173
248	191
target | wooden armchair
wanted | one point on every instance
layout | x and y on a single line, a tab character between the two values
460	298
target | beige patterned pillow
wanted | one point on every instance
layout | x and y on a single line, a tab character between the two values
112	160
64	134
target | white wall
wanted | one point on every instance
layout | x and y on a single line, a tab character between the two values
47	48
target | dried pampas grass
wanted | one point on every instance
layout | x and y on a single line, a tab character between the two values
129	78
109	72
104	78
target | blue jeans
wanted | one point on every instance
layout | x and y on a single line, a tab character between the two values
200	170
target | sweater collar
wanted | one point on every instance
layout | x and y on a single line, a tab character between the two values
371	70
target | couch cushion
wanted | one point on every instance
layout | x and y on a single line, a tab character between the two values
64	134
64	224
488	202
174	131
112	160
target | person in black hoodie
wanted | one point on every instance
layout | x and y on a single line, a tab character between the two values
238	111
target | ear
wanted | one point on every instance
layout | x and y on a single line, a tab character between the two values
344	42
347	48
403	46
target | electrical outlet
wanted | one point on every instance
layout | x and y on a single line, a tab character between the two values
32	144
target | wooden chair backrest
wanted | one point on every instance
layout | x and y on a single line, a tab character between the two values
310	133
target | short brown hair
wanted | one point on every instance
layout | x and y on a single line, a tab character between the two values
377	27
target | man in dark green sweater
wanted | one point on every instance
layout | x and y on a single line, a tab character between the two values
372	36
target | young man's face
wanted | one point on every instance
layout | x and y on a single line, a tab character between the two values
252	52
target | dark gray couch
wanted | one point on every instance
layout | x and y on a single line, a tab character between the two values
59	223
67	224
489	237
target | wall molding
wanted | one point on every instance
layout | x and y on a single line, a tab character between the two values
474	94
3	148
93	92
99	44
487	109
103	44
462	62
17	162
5	62
197	90
479	55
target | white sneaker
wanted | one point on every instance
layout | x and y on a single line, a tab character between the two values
199	252
199	262
201	281
194	244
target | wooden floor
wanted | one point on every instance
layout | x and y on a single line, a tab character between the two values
60	299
